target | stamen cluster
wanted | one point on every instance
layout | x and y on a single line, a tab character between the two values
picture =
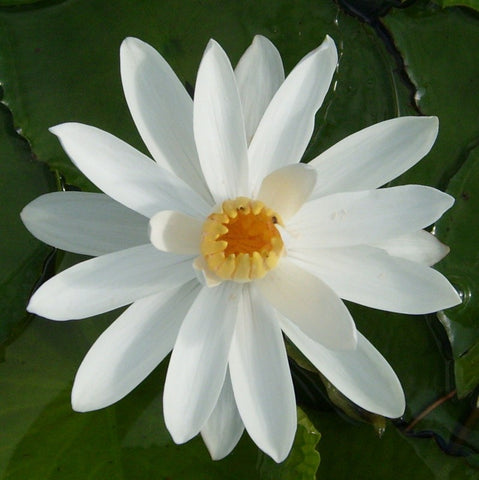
240	241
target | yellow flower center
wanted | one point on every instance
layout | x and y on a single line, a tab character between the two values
241	242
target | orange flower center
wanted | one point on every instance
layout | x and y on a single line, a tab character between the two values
241	242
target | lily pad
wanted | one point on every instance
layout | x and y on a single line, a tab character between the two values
44	439
356	451
450	164
459	3
22	178
71	73
303	461
462	265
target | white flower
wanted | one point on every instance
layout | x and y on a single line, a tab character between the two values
244	242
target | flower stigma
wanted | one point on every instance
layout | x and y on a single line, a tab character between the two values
240	241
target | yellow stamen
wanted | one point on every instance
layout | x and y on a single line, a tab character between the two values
240	242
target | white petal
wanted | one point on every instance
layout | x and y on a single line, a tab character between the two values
162	111
85	223
362	375
259	74
128	351
199	360
287	125
371	277
110	281
175	232
375	155
261	378
371	216
203	274
421	247
224	428
219	127
285	190
311	304
125	174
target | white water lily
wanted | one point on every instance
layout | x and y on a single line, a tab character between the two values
227	240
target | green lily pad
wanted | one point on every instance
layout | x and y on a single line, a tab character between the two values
459	3
303	461
445	74
22	178
462	265
71	73
356	451
451	162
44	439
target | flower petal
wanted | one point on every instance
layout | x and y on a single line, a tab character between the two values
285	190
371	277
219	127
199	361
131	347
110	281
259	74
175	232
287	125
224	428
85	223
125	174
375	155
421	247
261	378
162	111
362	375
371	216
309	303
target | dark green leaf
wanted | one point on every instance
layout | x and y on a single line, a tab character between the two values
351	451
44	439
22	178
462	267
445	74
459	3
303	461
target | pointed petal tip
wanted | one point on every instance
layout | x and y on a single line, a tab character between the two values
79	402
130	41
132	46
280	453
62	128
31	306
428	124
83	403
179	435
38	306
218	451
77	406
328	41
432	120
455	299
56	129
43	307
262	40
448	200
329	44
212	45
398	410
